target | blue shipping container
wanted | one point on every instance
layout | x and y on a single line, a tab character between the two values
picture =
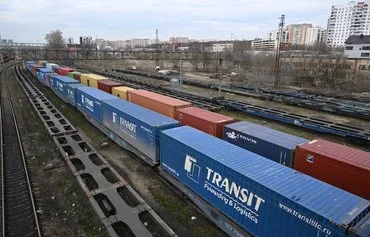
41	74
138	126
29	66
71	93
58	85
89	101
265	198
272	144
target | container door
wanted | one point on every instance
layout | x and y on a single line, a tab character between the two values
283	158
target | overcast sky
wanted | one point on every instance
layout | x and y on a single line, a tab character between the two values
29	21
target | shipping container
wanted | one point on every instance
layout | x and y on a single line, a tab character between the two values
159	103
121	91
48	78
41	74
272	144
29	66
91	79
138	126
50	65
265	198
107	85
71	93
64	70
344	167
58	85
41	62
89	101
35	67
204	120
77	76
70	74
55	68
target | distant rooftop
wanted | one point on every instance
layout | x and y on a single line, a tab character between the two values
358	39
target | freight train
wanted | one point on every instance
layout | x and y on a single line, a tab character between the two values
241	191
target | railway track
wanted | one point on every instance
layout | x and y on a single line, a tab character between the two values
19	217
347	107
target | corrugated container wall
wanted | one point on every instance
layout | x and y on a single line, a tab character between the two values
107	85
206	121
42	73
55	68
344	167
159	103
272	144
64	71
89	101
48	78
265	198
77	75
58	85
35	67
71	92
136	125
121	91
91	79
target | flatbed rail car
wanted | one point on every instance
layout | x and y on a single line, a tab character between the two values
350	133
353	108
354	134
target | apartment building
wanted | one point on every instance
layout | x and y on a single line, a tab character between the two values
315	35
348	19
297	33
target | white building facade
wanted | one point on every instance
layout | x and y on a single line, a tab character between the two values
357	47
348	19
267	45
222	47
315	35
273	35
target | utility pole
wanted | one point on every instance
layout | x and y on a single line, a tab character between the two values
220	77
156	48
180	70
278	48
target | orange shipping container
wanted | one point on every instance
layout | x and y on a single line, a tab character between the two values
159	103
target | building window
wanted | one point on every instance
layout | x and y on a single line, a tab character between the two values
365	47
365	54
349	47
362	67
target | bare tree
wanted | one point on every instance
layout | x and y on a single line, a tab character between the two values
55	39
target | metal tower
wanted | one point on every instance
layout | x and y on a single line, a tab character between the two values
278	48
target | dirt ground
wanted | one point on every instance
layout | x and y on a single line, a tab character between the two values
163	198
63	207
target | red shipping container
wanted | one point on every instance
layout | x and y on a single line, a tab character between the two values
64	70
159	103
107	85
344	167
77	77
203	120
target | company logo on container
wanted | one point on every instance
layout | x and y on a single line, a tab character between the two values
192	169
234	136
231	135
125	124
70	93
243	200
60	86
89	104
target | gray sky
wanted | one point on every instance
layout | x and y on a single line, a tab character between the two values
29	21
